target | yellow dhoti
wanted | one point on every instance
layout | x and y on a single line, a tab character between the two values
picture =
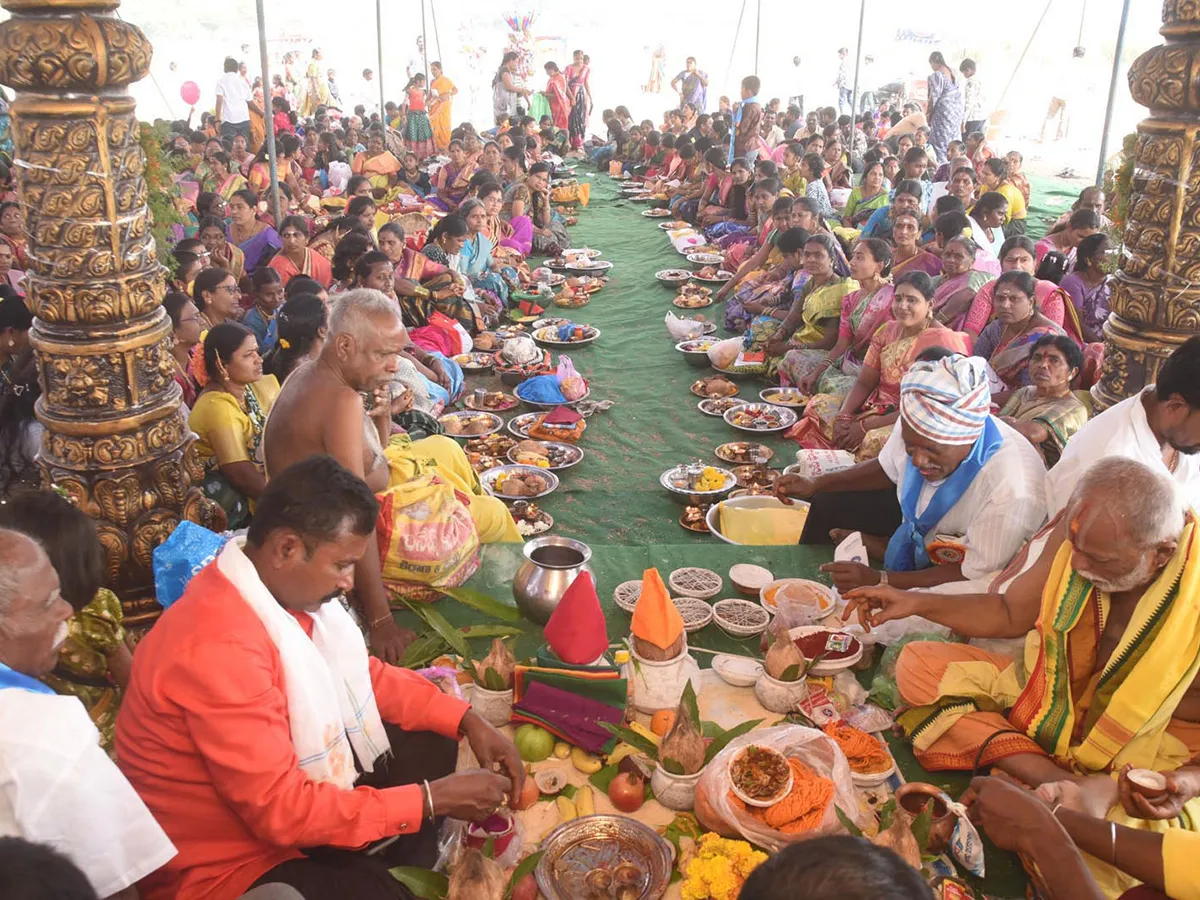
973	708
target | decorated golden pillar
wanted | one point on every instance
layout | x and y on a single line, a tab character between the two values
116	436
1156	295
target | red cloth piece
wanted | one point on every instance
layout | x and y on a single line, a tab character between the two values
562	415
576	631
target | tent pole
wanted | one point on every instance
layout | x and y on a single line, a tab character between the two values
757	33
733	49
1112	93
268	119
862	15
379	64
424	47
437	38
1021	59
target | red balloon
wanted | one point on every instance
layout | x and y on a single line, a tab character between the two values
190	92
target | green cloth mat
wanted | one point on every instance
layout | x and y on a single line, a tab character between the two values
612	500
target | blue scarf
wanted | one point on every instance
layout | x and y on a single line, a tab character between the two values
12	679
737	120
906	550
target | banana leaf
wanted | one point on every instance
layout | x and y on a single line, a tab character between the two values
481	602
424	884
524	867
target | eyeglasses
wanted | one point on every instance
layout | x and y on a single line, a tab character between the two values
231	288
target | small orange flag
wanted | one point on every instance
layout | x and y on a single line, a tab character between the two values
655	618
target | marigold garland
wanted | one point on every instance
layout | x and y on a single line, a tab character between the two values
719	868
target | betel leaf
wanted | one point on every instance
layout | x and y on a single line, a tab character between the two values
631	737
886	814
492	680
481	602
688	702
847	822
671	766
492	631
720	742
711	730
422	883
922	825
489	847
569	791
791	673
604	777
524	867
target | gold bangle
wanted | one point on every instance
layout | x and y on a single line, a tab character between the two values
375	623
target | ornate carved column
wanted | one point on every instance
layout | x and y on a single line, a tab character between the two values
116	436
1156	297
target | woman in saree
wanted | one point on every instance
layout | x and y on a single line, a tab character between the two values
765	256
1047	412
738	247
257	240
516	200
426	289
813	166
810	327
909	255
581	98
987	223
221	252
442	92
296	258
766	264
377	164
497	230
771	295
451	181
558	95
945	109
1083	223
954	289
863	420
287	148
491	280
549	233
1016	254
726	202
229	416
225	179
12	232
1088	286
869	195
1007	342
418	132
863	312
837	173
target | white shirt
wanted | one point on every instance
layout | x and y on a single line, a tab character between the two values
774	136
980	236
58	787
1000	510
1120	430
235	92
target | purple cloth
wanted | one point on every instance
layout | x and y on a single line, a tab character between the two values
577	718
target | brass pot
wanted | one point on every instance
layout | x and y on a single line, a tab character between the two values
913	799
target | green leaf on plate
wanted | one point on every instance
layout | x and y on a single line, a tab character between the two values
524	867
847	822
492	631
422	883
672	766
481	602
631	737
720	742
603	778
492	680
711	730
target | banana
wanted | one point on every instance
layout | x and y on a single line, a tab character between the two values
587	763
585	801
561	750
620	751
639	728
566	809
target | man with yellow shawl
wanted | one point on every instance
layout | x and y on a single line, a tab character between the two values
1111	619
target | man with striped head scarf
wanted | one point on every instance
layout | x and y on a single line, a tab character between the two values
954	494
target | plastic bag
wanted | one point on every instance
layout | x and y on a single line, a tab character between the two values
452	840
683	329
723	354
570	382
813	748
811	463
179	558
884	691
520	350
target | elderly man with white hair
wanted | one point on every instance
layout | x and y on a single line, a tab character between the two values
959	490
57	785
1111	617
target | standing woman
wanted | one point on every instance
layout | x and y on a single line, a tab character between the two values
945	109
506	88
558	96
418	132
581	98
257	240
442	92
296	258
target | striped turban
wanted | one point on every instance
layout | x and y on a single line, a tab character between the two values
947	401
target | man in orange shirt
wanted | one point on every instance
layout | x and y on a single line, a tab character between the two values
268	744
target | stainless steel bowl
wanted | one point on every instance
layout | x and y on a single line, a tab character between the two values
488	480
574	455
696	358
574	848
692	497
495	423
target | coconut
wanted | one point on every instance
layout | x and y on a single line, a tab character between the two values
784	660
475	877
898	837
496	669
654	653
683	745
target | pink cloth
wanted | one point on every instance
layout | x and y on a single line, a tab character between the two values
521	239
1048	295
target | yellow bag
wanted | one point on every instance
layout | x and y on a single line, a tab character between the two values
615	167
427	538
572	192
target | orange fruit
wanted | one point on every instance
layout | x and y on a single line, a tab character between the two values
661	721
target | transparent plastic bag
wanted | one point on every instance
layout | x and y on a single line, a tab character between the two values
813	748
453	838
884	691
683	329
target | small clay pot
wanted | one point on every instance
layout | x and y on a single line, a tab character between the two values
494	707
913	799
676	792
